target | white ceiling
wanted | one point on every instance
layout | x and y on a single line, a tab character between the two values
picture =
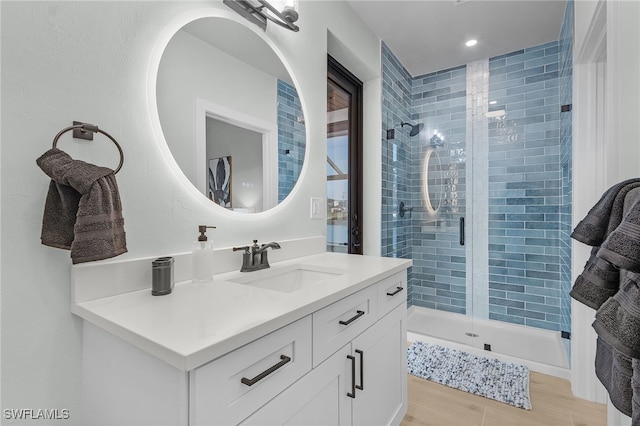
429	35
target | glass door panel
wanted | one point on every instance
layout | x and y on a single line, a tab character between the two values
338	104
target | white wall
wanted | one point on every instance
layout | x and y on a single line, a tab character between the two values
606	150
623	18
88	61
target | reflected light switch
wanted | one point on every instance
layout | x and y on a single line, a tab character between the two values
317	208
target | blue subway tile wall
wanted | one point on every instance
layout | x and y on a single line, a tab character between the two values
396	104
526	188
291	138
566	95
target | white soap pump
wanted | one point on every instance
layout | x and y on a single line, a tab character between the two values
202	256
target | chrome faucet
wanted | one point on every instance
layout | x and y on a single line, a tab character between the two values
255	257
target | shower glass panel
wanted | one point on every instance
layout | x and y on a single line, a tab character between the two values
442	245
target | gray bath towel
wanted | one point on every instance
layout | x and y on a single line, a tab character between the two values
83	212
635	387
618	319
614	370
598	281
592	230
622	246
621	392
619	204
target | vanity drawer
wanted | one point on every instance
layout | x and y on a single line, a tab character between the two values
338	323
392	291
230	388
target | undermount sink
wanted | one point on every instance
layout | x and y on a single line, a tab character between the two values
287	279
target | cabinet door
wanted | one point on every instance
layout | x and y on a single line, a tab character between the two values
381	373
319	398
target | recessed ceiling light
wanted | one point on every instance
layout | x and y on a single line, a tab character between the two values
471	43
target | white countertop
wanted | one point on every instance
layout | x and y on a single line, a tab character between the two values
199	322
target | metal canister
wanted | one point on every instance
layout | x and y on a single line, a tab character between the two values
162	276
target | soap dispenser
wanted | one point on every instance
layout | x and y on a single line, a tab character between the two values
202	256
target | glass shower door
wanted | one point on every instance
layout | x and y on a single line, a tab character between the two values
442	271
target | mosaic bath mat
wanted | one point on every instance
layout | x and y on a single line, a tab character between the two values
491	378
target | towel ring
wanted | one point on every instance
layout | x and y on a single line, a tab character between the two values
91	128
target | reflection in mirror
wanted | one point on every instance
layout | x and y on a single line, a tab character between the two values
225	142
433	178
230	114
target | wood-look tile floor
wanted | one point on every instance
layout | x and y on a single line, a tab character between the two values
432	404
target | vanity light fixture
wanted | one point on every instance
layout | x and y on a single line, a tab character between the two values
281	12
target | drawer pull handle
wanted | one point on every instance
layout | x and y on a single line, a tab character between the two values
361	385
352	394
350	320
398	290
250	382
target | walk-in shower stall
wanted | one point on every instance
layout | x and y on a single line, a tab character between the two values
480	198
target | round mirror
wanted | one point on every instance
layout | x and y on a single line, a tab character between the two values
230	114
433	178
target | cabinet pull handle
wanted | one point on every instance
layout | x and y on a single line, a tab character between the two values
250	382
352	394
398	290
350	320
462	231
361	385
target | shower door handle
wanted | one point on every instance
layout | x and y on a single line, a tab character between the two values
462	231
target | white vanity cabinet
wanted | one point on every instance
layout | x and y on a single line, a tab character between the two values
365	381
342	364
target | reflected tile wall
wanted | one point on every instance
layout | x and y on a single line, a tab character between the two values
291	138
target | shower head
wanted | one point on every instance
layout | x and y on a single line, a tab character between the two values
415	128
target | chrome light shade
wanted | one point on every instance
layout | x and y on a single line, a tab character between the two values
259	11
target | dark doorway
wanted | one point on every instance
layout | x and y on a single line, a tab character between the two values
344	160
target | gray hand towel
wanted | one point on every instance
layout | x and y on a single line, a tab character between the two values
598	281
618	319
622	246
83	212
614	370
592	230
